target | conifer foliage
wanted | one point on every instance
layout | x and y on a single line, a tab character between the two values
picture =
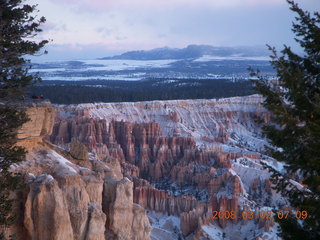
294	101
18	27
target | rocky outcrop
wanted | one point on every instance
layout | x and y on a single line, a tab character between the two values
68	199
96	223
151	151
141	145
206	119
46	211
160	201
41	122
225	180
186	149
260	189
225	204
125	220
78	150
191	221
71	202
87	131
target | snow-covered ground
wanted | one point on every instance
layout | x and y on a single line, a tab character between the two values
207	58
205	67
98	69
239	231
164	227
117	65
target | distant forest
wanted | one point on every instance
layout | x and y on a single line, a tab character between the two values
74	92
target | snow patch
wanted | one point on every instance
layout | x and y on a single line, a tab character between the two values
164	227
208	58
66	166
238	231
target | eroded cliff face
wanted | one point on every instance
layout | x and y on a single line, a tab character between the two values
182	159
186	158
67	198
42	119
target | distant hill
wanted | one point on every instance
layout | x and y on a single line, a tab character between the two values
191	51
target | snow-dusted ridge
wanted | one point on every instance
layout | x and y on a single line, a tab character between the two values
203	119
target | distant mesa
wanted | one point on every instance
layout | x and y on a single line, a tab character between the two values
191	52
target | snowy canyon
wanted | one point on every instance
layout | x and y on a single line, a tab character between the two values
154	170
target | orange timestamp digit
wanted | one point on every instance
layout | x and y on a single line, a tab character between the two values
244	215
224	215
261	214
287	214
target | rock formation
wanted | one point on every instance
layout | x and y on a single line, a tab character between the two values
41	123
159	201
175	157
192	221
124	219
64	200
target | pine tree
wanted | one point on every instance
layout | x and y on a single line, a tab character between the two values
17	29
294	101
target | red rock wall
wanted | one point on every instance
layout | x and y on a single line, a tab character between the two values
144	152
141	145
160	201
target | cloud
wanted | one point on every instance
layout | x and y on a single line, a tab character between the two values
52	26
108	5
121	25
75	52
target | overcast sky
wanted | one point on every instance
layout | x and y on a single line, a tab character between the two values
82	29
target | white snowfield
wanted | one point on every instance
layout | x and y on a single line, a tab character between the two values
96	69
206	58
124	64
164	227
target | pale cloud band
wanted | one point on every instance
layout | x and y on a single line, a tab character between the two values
99	5
120	25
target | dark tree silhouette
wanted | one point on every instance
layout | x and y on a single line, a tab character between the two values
294	101
17	28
